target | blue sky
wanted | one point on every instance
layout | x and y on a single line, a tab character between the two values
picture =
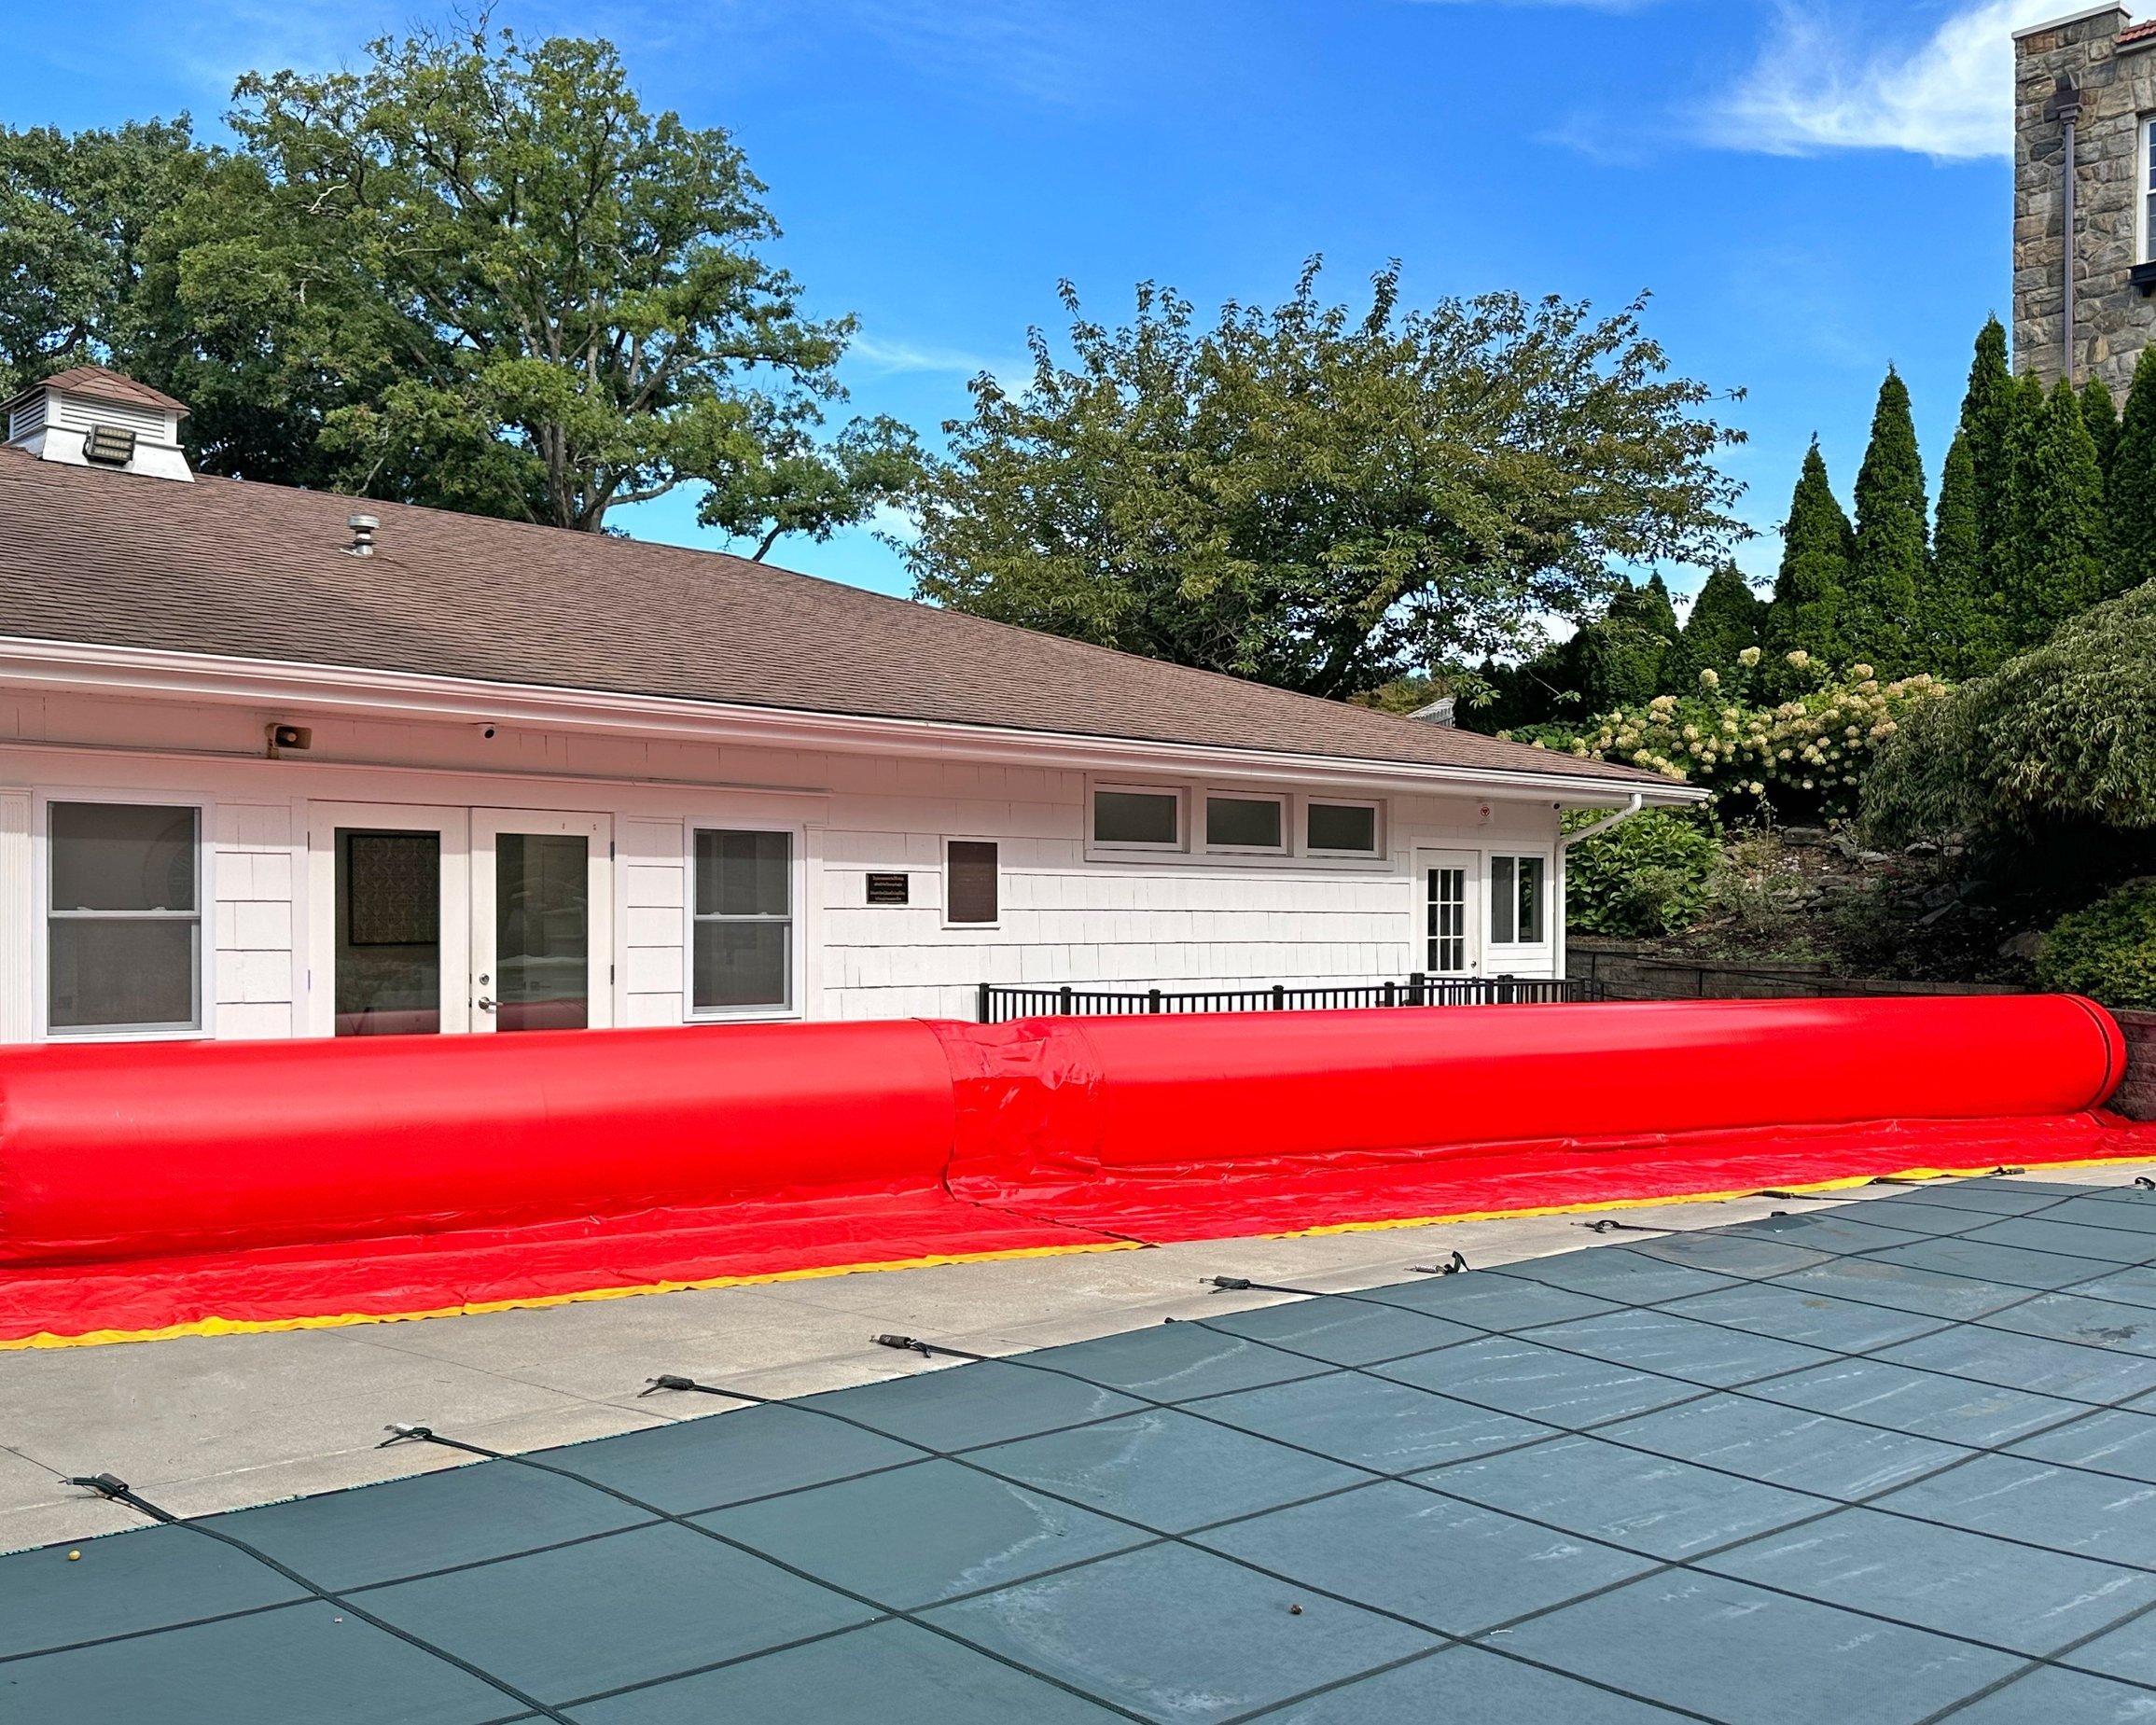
1809	189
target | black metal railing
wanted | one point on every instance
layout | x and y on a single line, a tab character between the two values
999	1003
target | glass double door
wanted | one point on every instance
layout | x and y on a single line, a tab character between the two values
445	920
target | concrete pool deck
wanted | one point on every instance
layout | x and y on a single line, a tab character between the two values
206	1423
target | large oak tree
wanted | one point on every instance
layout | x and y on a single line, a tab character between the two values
1322	499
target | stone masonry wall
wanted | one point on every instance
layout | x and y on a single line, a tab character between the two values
2113	319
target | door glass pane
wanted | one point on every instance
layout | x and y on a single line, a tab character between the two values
388	959
1448	920
1531	870
741	964
1503	906
542	932
1133	817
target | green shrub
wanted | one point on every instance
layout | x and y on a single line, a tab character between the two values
2109	950
1803	758
1646	876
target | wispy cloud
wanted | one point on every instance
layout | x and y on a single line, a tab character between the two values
888	357
1822	84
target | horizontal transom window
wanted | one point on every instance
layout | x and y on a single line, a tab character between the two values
1244	822
1151	819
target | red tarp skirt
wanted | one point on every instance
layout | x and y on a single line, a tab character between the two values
151	1186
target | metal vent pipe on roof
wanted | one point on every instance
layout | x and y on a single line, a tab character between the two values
363	528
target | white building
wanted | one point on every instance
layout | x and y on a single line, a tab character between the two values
273	768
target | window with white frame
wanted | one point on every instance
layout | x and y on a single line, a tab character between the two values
743	922
123	918
1339	829
1137	819
1519	893
2145	251
1235	821
969	882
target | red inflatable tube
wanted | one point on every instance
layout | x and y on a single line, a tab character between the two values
146	1186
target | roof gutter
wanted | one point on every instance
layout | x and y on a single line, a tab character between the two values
291	687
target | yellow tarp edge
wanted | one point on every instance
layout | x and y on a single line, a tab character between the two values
248	1326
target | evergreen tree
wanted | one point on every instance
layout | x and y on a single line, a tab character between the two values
1817	544
1625	656
1987	414
1960	622
2055	561
2131	496
1725	619
1878	620
2101	416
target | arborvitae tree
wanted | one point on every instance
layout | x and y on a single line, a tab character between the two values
1878	619
2101	416
1960	632
2055	562
1987	413
1817	544
2130	497
1622	658
1725	619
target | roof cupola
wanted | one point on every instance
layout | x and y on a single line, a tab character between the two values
90	417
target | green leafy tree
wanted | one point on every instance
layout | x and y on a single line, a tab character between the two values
475	272
2054	565
1818	545
2100	414
2131	496
74	214
1321	499
1878	621
1959	618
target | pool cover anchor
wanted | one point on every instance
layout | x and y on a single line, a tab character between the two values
1452	1266
117	1490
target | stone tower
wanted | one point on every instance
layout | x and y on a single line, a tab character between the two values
2091	75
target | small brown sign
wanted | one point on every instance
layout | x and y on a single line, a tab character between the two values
889	889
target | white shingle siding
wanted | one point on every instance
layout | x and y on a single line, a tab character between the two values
1066	917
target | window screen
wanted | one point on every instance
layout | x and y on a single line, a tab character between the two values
1342	827
745	924
1134	818
1243	823
969	882
124	925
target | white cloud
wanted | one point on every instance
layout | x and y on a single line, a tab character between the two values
1818	86
885	357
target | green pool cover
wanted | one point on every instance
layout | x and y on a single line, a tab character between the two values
1893	1463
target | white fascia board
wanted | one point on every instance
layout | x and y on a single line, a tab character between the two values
291	687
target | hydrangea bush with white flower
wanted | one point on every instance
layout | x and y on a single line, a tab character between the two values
1803	758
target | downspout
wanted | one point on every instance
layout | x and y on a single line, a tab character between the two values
1564	843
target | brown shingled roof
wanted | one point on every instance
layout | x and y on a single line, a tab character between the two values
2137	32
102	385
254	571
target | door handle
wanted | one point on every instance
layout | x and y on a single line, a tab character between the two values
485	1005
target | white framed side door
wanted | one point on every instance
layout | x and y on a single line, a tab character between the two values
371	945
542	920
1449	924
